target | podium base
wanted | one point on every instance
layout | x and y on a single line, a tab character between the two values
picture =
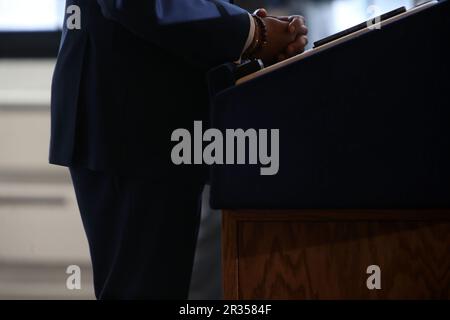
335	254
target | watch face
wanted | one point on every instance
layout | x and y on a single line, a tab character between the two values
31	15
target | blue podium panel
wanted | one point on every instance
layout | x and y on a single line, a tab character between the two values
363	124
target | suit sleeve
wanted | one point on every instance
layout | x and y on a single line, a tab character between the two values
210	31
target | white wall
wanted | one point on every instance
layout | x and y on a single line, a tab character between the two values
40	228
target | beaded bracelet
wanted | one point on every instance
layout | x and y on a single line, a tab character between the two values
259	42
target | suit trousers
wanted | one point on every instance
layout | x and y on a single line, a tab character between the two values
141	232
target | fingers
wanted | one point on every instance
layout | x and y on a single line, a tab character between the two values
261	12
284	18
301	18
297	25
292	30
298	46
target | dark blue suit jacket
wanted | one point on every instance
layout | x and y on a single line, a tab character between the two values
134	73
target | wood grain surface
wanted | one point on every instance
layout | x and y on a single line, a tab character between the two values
325	255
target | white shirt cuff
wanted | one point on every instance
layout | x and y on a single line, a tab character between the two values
251	34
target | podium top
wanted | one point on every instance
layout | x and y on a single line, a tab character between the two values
311	52
362	125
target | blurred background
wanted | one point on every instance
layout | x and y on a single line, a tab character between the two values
40	230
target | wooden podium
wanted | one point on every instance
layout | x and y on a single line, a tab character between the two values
311	254
364	169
